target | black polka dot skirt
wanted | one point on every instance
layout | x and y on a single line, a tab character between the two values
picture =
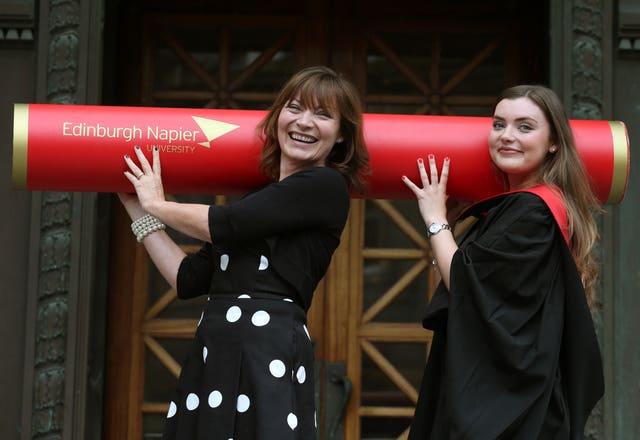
250	375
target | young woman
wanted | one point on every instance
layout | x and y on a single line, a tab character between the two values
514	353
250	375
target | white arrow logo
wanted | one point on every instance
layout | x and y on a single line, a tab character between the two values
213	129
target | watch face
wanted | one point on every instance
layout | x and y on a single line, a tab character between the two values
434	227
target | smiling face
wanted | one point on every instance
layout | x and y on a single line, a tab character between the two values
519	141
306	134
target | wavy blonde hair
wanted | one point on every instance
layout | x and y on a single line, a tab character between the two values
565	170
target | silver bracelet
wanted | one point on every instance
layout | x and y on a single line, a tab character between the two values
146	225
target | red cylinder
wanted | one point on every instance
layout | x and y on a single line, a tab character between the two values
208	151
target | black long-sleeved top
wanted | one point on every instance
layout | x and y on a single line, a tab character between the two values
298	221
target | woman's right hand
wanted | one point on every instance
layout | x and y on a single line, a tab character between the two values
432	197
432	201
164	252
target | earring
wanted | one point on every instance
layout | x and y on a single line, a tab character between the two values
552	150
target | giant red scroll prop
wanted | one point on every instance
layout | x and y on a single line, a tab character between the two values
81	148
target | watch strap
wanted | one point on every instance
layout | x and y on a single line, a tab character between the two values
441	226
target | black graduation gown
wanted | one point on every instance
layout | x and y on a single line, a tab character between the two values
514	353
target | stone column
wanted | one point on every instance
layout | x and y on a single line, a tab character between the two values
63	244
581	73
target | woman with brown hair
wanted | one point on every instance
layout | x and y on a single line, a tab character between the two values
250	374
514	353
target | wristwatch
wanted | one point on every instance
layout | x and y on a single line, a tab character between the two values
434	228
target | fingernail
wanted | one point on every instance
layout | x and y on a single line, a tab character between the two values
420	160
137	147
404	177
155	148
447	159
431	156
126	156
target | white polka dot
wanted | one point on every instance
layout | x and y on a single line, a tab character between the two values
243	403
306	331
264	263
292	420
172	410
244	296
192	402
205	352
234	313
277	368
301	375
215	399
224	261
260	318
289	300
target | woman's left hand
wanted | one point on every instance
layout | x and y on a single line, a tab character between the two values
432	197
146	179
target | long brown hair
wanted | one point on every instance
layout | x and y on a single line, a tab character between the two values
321	86
565	170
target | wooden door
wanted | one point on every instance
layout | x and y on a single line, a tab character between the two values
447	60
423	58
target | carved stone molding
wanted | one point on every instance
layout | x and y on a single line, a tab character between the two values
52	324
587	59
63	59
52	315
628	38
17	21
588	95
17	13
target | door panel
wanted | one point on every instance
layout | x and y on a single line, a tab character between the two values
424	58
186	60
451	62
